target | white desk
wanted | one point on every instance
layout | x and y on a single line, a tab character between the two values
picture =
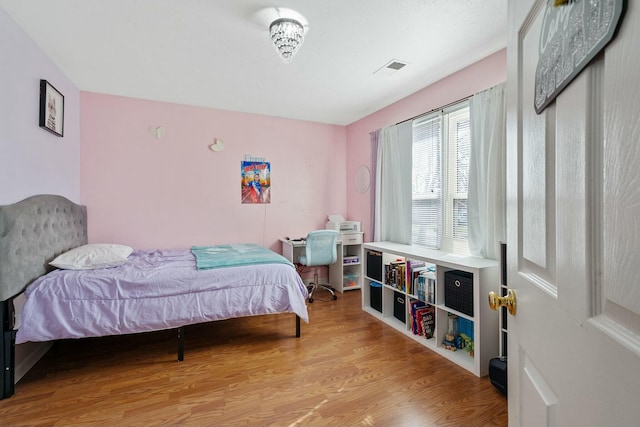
342	276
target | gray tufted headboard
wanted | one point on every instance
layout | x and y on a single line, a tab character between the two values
32	233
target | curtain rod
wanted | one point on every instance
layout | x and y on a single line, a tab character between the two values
437	109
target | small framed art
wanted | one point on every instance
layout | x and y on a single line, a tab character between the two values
51	108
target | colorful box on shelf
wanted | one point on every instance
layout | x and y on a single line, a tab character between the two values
351	259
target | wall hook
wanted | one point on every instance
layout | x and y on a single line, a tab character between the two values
157	132
218	145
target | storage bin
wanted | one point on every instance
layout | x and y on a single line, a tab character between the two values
374	265
399	306
375	295
458	291
349	280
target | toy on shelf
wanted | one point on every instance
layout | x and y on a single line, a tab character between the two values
453	328
465	343
449	342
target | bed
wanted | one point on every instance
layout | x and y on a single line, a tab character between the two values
151	290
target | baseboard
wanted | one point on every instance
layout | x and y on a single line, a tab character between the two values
27	355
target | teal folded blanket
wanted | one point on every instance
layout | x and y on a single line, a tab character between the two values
219	256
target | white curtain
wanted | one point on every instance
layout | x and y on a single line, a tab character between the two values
392	204
373	188
487	172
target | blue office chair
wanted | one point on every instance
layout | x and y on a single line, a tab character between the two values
320	249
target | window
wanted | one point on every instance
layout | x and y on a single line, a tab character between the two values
426	182
440	179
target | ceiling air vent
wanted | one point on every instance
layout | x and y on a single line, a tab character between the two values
395	65
390	67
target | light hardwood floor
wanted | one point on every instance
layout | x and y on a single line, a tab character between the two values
347	369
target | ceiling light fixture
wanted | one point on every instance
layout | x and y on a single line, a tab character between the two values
287	29
287	36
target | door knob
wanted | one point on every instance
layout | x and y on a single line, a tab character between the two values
509	301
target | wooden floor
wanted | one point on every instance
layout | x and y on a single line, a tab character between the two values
347	369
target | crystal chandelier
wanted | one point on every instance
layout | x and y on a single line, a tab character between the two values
287	36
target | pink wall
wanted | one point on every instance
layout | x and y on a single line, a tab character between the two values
475	78
175	192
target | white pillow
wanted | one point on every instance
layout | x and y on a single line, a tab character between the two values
93	255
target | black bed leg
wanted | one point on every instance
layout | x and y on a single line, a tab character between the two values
7	355
297	326
180	344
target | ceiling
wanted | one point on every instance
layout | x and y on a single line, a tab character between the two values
217	53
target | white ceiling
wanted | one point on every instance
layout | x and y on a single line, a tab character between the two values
217	53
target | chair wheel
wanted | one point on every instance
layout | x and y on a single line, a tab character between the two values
335	297
310	299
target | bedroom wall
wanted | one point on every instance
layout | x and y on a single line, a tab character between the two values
175	192
34	161
475	78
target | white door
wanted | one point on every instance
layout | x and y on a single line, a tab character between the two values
573	226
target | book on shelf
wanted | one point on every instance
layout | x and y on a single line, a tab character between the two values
431	290
422	318
413	270
396	276
428	320
414	306
425	286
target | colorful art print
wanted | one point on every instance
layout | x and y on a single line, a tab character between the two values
255	182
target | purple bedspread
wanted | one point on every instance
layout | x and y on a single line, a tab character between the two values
154	290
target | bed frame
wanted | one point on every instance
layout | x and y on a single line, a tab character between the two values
32	233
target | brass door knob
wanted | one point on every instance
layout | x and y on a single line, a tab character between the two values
509	301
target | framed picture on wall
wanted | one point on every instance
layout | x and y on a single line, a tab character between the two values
51	108
255	182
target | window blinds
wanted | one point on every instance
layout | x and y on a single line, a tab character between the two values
440	179
459	146
427	183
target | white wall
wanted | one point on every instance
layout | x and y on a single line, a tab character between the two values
32	160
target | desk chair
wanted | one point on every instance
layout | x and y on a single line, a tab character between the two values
320	249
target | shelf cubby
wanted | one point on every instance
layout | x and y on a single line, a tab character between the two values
482	327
